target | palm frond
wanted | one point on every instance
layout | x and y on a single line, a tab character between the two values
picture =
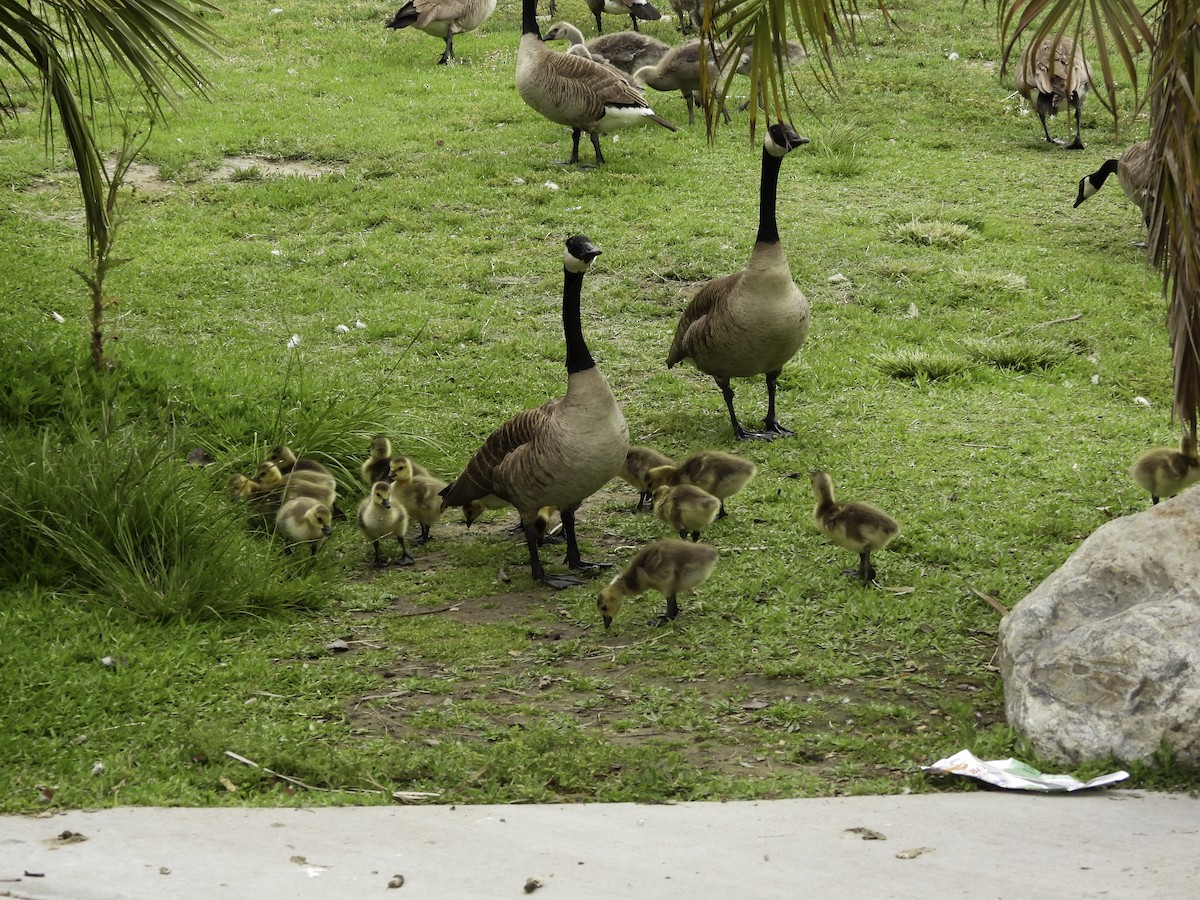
763	27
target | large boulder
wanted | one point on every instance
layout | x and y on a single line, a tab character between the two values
1104	656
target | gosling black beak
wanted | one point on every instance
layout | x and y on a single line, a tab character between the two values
607	622
387	504
327	530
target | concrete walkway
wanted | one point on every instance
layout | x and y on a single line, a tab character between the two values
979	844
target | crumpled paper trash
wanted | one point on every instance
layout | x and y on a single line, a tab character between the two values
1015	775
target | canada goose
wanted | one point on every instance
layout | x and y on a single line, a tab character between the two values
239	486
689	15
1050	72
788	53
285	458
755	320
720	474
443	18
624	50
380	516
857	526
304	521
635	9
419	494
638	462
686	508
576	92
1164	472
560	453
679	70
673	567
1134	170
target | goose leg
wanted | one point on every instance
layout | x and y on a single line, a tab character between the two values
424	537
1076	144
866	571
633	19
691	105
405	559
599	25
722	514
448	53
671	613
379	562
772	426
573	559
596	146
1042	116
558	582
738	431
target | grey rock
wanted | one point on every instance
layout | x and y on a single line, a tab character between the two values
1103	657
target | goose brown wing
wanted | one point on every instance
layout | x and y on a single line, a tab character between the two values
438	10
694	321
476	480
590	84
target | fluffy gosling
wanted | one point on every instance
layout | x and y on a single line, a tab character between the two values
861	527
721	474
286	459
638	463
686	508
670	566
419	494
304	521
1164	472
379	517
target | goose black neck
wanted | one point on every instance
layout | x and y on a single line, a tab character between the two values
768	228
529	23
579	359
1109	168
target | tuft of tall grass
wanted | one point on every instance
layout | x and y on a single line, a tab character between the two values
112	515
931	233
1017	354
839	150
921	365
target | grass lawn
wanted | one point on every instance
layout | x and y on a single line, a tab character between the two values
984	362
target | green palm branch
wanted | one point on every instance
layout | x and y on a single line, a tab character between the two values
66	51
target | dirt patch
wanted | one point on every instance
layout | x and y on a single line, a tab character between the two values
236	167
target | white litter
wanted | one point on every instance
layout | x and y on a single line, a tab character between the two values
1015	775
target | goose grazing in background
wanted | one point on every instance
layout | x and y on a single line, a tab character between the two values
754	321
1051	72
380	516
679	70
686	508
1135	173
420	495
861	527
304	521
720	474
635	9
560	453
638	463
443	18
1164	472
579	93
624	50
672	567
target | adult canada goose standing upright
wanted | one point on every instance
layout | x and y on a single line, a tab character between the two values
560	453
861	527
1134	170
635	9
754	321
579	93
1050	72
443	18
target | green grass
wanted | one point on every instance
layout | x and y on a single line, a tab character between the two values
339	177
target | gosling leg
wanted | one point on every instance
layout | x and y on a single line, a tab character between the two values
379	561
671	613
405	559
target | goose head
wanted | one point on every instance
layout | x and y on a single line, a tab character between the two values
320	516
381	494
782	139
579	253
609	603
268	473
282	456
402	470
